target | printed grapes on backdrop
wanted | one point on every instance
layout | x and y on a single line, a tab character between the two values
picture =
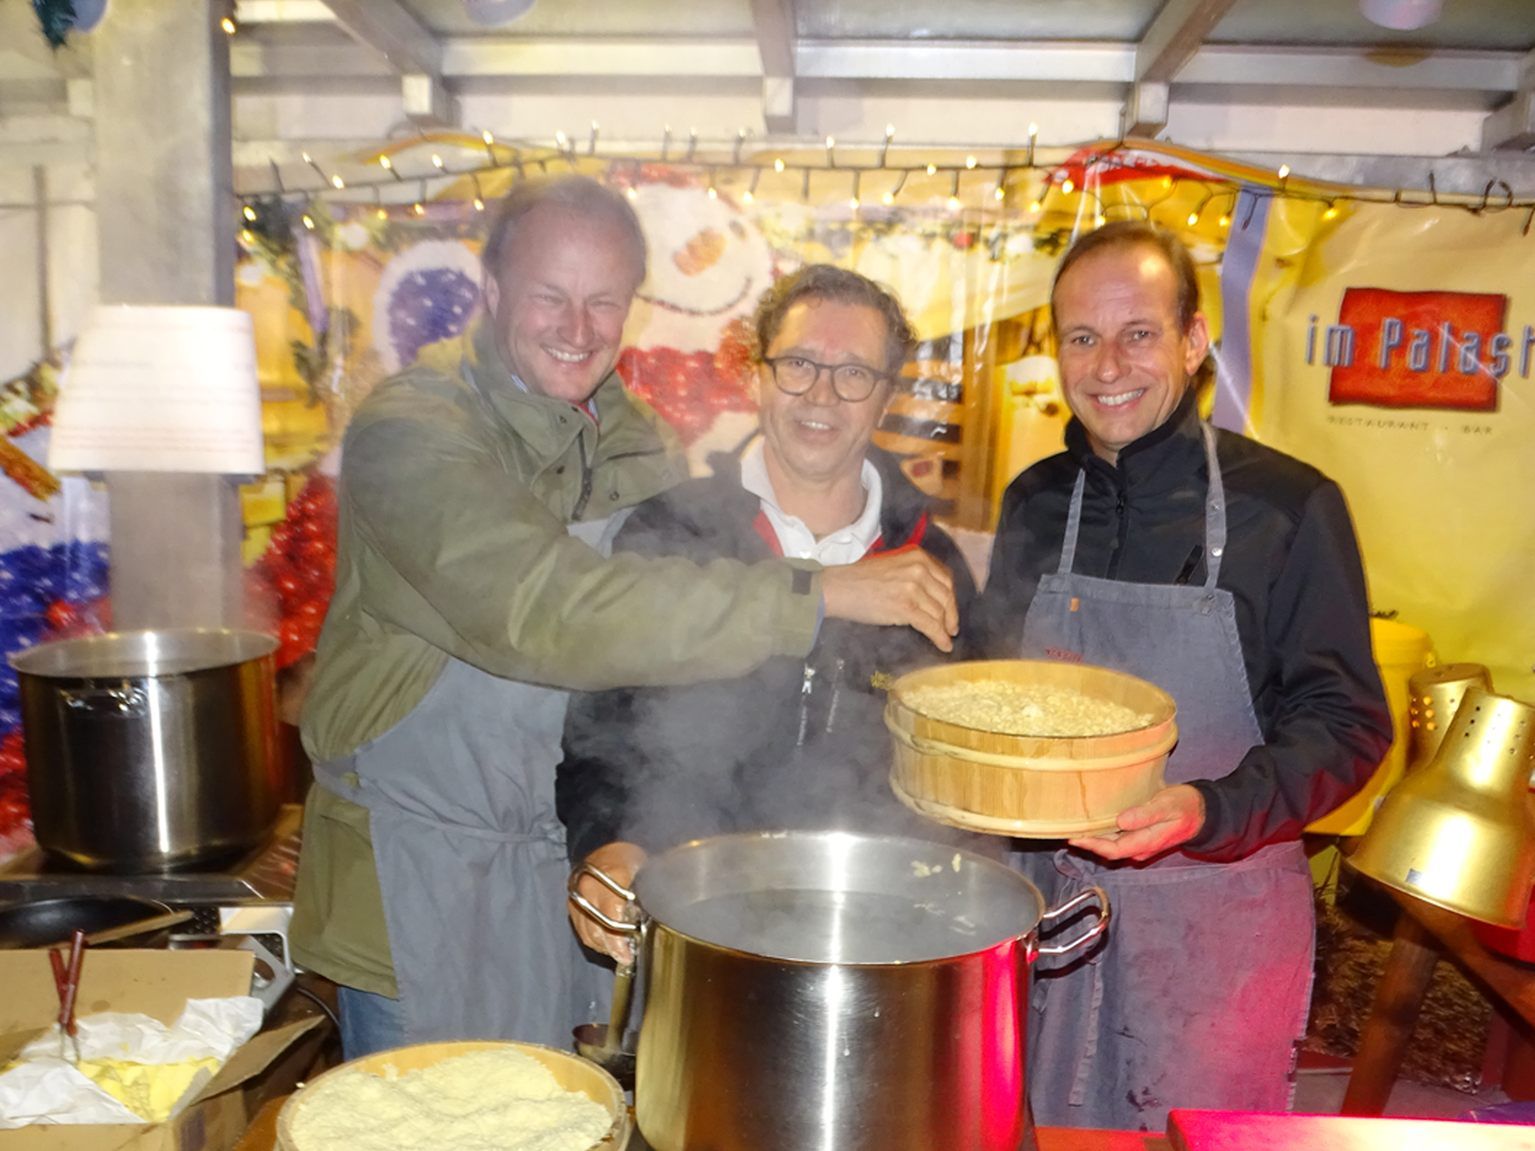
427	306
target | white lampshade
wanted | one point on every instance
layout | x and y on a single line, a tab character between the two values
160	389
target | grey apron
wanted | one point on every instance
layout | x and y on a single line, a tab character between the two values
471	857
1200	994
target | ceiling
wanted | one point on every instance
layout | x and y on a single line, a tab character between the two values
1479	55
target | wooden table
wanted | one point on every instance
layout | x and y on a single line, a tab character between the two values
1424	935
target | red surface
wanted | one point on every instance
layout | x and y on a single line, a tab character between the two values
1243	1131
1424	315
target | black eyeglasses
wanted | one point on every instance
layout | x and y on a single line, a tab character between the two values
795	375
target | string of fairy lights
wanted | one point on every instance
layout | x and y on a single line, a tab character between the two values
882	179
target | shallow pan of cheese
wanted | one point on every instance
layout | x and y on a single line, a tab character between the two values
1028	748
466	1096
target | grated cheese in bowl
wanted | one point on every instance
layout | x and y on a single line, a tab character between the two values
1011	708
496	1100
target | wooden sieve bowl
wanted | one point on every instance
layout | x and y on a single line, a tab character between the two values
1034	787
569	1071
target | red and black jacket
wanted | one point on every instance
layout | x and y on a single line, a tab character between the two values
795	744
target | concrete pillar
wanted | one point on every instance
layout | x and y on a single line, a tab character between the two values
166	215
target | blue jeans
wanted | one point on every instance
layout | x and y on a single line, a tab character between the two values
369	1022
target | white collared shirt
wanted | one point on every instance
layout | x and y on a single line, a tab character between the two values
844	546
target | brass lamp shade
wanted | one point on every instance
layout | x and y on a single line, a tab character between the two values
1433	698
1460	832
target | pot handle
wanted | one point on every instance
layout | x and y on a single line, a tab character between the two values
128	699
1082	899
621	926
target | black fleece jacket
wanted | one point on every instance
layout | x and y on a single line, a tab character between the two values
796	744
1293	566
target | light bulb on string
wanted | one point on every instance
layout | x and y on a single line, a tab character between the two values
750	195
712	192
337	183
971	162
953	203
1033	139
1068	186
735	152
229	26
831	151
778	164
1331	213
853	201
884	151
889	197
249	213
932	169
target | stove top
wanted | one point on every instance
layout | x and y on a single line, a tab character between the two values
265	876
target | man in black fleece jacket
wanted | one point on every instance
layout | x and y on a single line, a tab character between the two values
1227	573
797	743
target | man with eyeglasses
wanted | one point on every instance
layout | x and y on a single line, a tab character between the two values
798	743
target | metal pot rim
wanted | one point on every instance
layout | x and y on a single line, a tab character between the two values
143	652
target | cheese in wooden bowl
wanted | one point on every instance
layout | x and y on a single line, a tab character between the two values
467	1096
1027	748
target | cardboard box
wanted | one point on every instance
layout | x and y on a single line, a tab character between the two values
158	984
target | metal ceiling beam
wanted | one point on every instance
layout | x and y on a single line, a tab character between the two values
1512	127
1445	70
388	28
483	57
1177	33
774	23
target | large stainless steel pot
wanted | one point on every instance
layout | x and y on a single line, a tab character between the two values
151	750
834	991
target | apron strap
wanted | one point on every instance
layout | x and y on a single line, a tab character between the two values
1215	511
342	779
1073	524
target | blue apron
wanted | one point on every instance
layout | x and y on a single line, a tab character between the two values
471	857
1200	994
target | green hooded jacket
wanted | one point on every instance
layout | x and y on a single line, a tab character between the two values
456	489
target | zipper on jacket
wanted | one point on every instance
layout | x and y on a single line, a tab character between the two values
586	478
836	695
1121	528
806	687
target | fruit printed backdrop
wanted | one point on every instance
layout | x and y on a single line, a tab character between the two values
343	293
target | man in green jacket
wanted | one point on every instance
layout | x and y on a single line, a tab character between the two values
479	491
